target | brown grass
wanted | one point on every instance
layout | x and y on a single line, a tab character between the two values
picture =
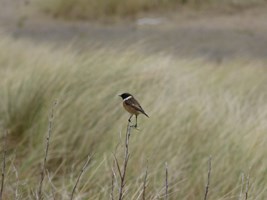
102	9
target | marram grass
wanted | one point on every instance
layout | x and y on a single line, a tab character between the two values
196	110
103	9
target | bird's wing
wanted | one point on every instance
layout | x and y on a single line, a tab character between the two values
134	103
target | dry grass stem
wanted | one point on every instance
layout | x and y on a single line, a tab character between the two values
51	184
3	165
86	164
247	187
208	181
144	184
50	126
166	181
241	189
17	182
112	187
122	172
112	182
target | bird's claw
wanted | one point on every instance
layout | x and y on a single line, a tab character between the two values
134	126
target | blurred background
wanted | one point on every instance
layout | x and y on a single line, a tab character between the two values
198	68
211	29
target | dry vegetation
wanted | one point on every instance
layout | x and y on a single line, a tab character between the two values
98	9
197	109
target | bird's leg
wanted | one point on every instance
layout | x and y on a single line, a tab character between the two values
129	120
135	121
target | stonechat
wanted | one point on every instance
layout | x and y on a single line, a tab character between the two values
131	105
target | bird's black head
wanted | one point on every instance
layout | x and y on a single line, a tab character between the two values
125	95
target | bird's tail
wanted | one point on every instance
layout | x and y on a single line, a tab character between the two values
145	114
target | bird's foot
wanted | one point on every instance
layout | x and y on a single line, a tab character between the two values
134	126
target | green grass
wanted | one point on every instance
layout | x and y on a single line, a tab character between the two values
196	110
102	9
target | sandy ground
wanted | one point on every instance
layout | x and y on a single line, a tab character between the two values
209	35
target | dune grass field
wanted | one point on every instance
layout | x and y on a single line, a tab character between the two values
102	9
197	109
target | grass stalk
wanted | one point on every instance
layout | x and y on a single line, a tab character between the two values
144	185
208	181
166	181
51	184
112	184
247	187
17	182
86	164
241	189
43	169
3	165
122	172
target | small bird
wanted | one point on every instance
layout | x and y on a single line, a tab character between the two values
132	106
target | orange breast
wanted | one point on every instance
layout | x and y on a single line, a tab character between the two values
130	109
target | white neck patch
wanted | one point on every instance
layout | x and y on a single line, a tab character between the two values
127	98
